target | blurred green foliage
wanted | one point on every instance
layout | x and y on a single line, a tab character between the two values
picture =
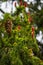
19	48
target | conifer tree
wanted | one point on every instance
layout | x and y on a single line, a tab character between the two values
20	47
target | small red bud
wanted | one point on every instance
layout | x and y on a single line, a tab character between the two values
19	27
33	28
32	34
21	3
30	19
25	4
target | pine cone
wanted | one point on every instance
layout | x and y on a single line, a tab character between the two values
8	26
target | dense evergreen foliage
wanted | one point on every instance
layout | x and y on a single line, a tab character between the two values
18	45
